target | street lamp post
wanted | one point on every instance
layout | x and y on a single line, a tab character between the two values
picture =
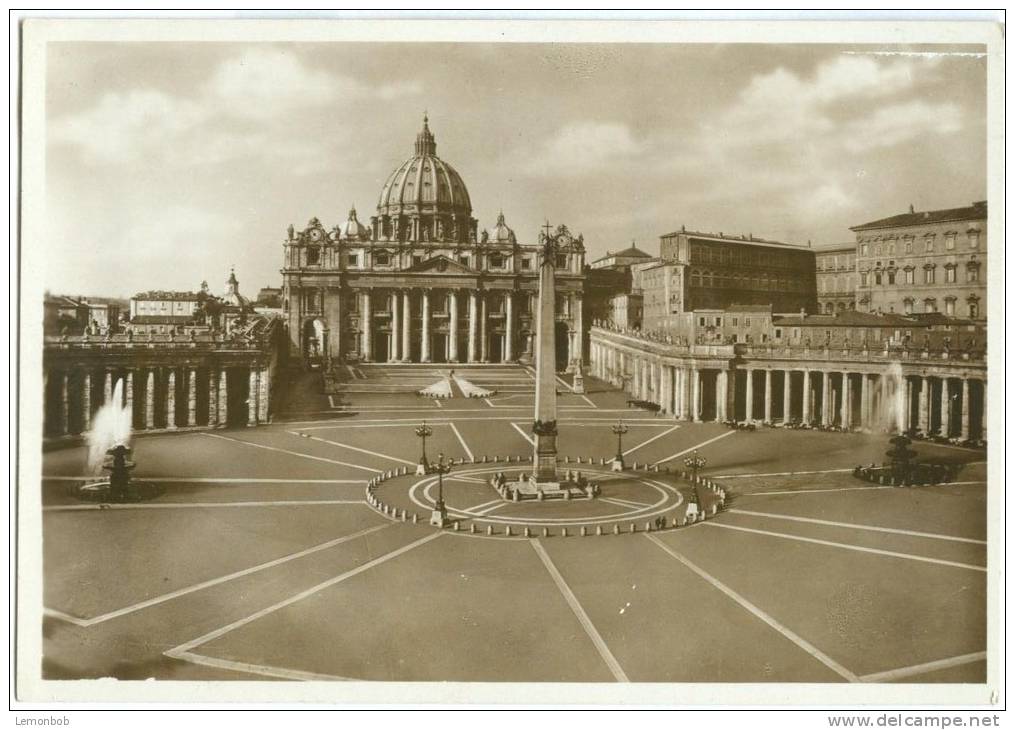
695	462
439	515
619	430
423	431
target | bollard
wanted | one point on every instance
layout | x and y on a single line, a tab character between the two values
489	529
634	528
616	529
404	516
528	532
635	466
602	461
563	532
456	525
415	518
599	529
472	528
585	531
648	527
546	532
567	459
683	521
675	523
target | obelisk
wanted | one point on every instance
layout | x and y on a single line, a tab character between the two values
544	427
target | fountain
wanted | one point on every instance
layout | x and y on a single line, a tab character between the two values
902	470
108	450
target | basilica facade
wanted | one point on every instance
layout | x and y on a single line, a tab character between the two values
421	282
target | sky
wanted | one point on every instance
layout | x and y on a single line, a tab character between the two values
168	163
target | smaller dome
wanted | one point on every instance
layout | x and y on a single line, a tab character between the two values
352	229
501	233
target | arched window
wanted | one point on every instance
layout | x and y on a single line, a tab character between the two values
972	272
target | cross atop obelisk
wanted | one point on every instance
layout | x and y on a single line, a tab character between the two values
544	427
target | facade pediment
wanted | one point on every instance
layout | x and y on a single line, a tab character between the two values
440	265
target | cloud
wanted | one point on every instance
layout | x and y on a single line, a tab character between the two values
585	147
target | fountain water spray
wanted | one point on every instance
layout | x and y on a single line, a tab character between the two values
111	426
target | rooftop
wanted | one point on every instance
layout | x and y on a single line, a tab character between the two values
849	318
738	238
976	211
187	296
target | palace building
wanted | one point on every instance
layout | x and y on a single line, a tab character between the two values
421	283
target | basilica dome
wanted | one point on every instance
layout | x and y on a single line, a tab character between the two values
424	183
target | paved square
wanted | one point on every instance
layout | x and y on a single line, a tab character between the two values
263	559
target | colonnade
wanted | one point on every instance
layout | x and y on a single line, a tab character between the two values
158	397
951	405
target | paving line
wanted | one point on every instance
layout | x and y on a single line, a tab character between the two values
461	440
259	669
855	526
696	446
630	502
524	435
292	453
204	639
846	546
901	672
767	618
354	448
103	506
204	480
225	578
579	612
812	491
648	441
777	474
493	508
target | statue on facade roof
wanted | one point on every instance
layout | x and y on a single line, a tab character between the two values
292	231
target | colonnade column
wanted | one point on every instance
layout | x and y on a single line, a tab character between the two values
367	347
924	422
509	327
107	388
826	398
679	381
86	401
263	395
845	416
396	334
946	407
192	398
768	396
453	325
223	399
805	417
406	323
424	345
472	326
695	395
865	415
149	400
721	395
907	417
252	398
171	400
64	420
128	396
964	433
212	397
787	392
749	397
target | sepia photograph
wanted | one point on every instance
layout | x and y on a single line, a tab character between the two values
510	361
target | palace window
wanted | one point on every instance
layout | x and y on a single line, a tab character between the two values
950	306
863	278
928	245
747	322
950	241
974	309
928	274
907	305
718	321
701	321
864	249
313	256
972	272
736	322
909	245
877	250
910	275
891	277
950	274
974	238
778	333
877	277
929	305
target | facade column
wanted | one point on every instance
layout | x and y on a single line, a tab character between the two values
907	417
424	345
484	352
646	380
86	401
721	384
805	418
787	393
749	397
924	423
509	327
964	434
473	326
453	325
826	398
768	396
865	415
171	400
149	400
212	398
223	399
576	319
252	398
946	407
192	398
396	332
406	327
368	340
695	395
845	415
678	392
64	419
